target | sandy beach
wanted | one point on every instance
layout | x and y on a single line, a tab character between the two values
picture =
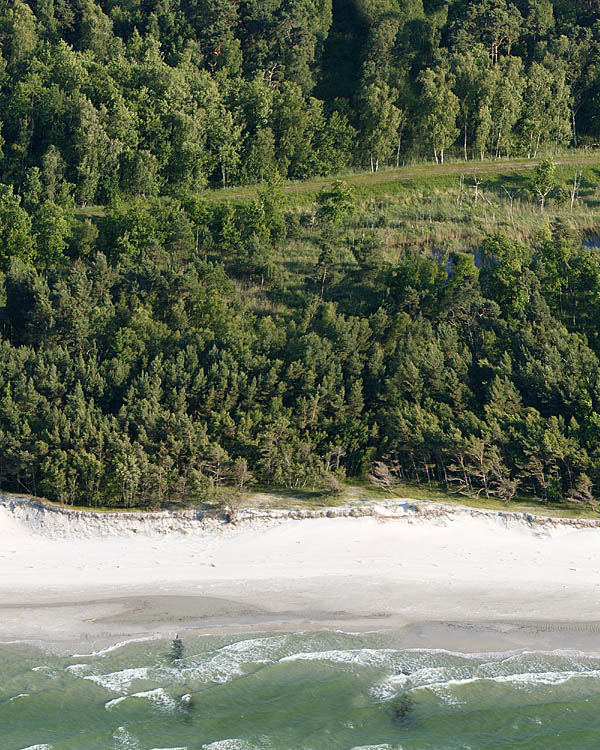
457	578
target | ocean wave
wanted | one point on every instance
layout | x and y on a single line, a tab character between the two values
15	697
158	696
364	656
520	670
124	740
421	678
77	669
115	646
225	663
544	678
446	693
418	667
216	666
38	747
538	661
231	744
383	691
18	641
45	669
119	681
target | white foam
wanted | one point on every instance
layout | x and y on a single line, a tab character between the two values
427	675
524	680
543	678
225	664
19	640
120	681
15	697
158	696
38	747
115	646
45	669
383	691
77	669
471	655
379	657
231	744
124	740
115	701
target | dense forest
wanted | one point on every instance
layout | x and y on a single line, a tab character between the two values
158	344
169	348
108	98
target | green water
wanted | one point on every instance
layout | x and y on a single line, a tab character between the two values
299	691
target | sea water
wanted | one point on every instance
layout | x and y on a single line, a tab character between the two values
296	691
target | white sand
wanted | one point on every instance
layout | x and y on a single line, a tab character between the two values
366	572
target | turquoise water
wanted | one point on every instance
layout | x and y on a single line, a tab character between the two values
299	691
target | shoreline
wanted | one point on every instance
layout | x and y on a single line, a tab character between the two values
444	576
138	618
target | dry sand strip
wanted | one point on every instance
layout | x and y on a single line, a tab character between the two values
450	577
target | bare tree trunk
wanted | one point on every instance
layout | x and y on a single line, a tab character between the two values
477	183
415	470
575	188
323	280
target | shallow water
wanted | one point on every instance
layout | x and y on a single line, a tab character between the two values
299	691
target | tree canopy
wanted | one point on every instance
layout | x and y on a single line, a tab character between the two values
103	99
156	345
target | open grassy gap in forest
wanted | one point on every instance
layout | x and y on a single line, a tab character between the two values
425	175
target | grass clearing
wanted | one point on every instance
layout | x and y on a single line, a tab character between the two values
389	181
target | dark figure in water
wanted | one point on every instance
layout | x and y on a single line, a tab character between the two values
177	649
403	709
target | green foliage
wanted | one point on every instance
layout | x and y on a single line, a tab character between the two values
184	366
440	109
159	346
335	202
16	239
110	100
544	181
